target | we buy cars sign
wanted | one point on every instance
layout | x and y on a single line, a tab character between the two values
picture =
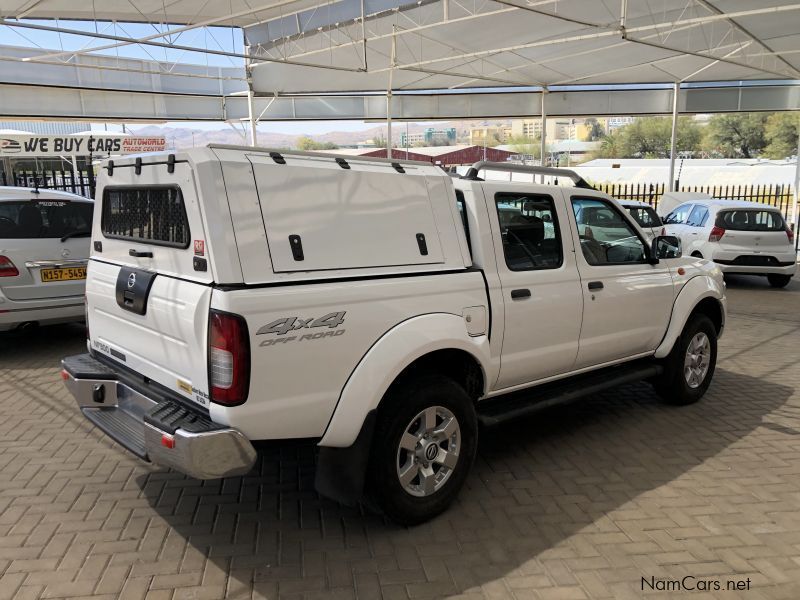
65	145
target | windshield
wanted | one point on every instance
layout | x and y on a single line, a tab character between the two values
644	216
32	219
750	220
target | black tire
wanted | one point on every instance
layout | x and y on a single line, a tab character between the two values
402	403
779	281
673	386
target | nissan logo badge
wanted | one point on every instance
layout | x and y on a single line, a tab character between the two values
131	280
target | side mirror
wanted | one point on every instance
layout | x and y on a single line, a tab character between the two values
665	246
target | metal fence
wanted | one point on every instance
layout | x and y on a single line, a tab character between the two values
81	182
777	195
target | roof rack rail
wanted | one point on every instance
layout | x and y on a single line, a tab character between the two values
512	168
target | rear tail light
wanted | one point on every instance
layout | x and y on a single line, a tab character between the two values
7	268
790	234
228	358
716	234
663	231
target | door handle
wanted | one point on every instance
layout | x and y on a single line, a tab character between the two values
139	254
595	285
521	293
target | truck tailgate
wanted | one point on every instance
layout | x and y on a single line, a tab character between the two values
167	344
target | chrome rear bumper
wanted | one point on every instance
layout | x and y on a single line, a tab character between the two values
163	432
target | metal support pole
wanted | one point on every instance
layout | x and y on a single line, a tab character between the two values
250	110
543	150
252	115
389	98
796	201
673	140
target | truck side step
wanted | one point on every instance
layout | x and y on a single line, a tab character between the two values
497	410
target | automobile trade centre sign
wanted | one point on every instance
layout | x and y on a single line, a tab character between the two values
66	145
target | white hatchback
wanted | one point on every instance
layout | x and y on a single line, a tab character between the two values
739	236
44	248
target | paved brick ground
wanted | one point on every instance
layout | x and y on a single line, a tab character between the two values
578	502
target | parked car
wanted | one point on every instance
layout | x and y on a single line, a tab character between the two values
380	308
646	216
44	248
739	236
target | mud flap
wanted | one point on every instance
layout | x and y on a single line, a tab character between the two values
341	471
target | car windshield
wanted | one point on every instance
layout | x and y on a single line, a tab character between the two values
749	219
32	219
644	216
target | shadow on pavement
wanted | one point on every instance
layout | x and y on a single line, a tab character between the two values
536	483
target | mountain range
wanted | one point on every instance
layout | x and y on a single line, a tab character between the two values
184	137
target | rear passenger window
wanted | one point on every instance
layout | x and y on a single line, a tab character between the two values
698	216
529	228
153	215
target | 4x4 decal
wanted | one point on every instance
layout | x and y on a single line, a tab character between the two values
290	324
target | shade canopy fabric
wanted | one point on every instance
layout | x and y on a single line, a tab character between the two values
355	47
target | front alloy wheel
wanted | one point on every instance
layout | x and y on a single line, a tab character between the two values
689	368
697	360
428	451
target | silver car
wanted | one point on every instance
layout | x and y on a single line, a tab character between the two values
44	248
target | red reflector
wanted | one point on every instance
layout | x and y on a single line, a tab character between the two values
681	271
64	374
716	234
167	441
7	268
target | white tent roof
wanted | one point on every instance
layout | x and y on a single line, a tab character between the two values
321	47
439	44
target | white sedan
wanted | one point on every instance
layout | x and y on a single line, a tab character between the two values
739	236
44	248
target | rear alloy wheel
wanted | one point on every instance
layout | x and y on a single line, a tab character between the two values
779	281
689	368
424	444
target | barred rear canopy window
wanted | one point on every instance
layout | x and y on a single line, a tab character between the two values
155	215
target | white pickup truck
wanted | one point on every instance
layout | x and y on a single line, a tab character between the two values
382	308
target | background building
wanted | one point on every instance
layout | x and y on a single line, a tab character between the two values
429	137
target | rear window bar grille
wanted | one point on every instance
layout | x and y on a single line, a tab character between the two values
149	214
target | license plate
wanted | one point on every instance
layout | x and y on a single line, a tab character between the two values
67	274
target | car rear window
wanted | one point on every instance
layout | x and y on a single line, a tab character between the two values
748	219
32	219
153	214
644	216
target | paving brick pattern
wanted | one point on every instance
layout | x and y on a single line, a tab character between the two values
578	502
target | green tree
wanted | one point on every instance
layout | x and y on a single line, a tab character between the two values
737	135
379	141
610	146
306	143
523	144
781	133
650	137
596	131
